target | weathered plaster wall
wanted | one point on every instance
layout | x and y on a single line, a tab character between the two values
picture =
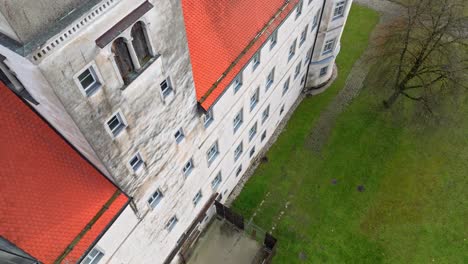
6	29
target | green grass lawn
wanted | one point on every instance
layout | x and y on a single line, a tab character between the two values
414	170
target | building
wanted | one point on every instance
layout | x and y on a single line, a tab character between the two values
171	100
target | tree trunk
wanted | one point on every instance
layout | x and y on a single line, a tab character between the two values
392	99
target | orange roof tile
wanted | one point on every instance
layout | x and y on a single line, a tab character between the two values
218	31
48	192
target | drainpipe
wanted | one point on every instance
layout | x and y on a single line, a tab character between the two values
315	43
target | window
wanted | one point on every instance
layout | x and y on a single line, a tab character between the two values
315	20
123	60
89	81
166	87
208	118
237	82
252	152
307	59
216	181
116	124
140	44
292	50
239	170
299	9
303	79
171	223
188	167
297	71
323	71
286	85
93	257
339	9
329	46
265	114
263	135
197	198
304	35
155	198
254	99
238	120
179	135
273	39
238	151
136	162
282	110
256	60
270	79
212	153
253	131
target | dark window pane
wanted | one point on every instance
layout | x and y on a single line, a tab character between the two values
139	43
123	60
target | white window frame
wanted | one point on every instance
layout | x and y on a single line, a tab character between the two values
297	70
273	39
238	120
212	153
339	10
98	83
329	46
237	82
216	181
253	131
139	165
252	152
265	114
188	167
238	151
197	198
169	89
255	99
179	135
121	119
92	259
323	71
239	170
286	85
153	200
270	79
299	9
292	50
256	59
263	136
208	118
315	20
304	35
172	223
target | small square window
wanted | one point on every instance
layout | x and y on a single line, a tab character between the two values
323	71
254	99
136	162
282	110
286	85
171	223
299	9
252	152
329	46
197	198
238	120
216	181
166	87
212	153
270	79
292	50
93	257
273	39
208	118
89	81
239	170
265	114
179	135
188	167
238	151
237	83
253	131
116	124
304	35
264	134
256	61
339	9
297	71
155	198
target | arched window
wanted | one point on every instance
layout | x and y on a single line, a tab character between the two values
123	60
140	43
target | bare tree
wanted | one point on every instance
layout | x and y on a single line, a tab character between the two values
426	50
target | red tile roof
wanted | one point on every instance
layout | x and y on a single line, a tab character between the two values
48	192
219	31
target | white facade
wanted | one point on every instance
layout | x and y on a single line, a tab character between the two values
152	119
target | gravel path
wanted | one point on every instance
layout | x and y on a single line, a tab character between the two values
326	122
